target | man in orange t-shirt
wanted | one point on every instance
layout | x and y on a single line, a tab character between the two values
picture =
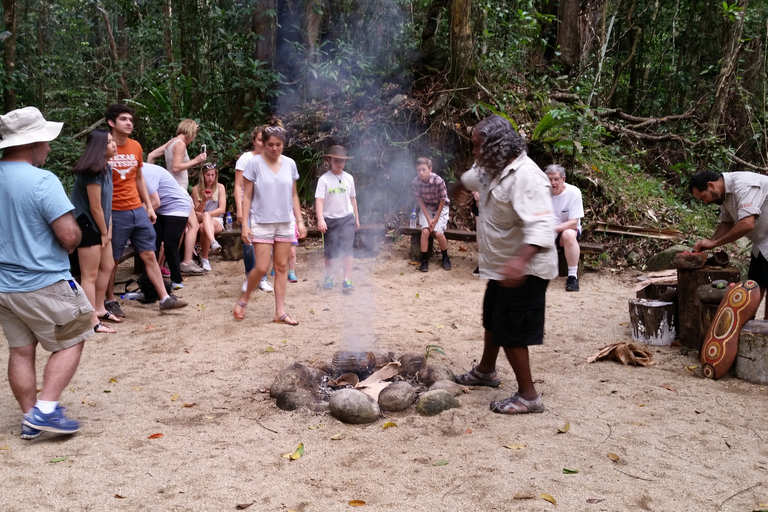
130	220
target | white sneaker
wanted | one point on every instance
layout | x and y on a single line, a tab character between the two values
264	285
176	286
215	247
244	288
206	265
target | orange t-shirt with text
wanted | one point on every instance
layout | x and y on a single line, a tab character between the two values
125	195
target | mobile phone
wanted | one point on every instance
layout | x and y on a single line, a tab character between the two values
202	148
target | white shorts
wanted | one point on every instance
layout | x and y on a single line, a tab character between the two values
442	222
273	232
219	220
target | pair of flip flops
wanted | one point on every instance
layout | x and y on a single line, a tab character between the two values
111	317
103	329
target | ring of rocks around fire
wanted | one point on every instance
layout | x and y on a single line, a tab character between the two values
356	387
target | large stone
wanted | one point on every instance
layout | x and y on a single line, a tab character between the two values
292	400
398	396
428	375
354	406
410	364
663	260
434	402
294	386
448	385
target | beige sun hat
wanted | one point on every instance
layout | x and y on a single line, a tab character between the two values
338	152
26	126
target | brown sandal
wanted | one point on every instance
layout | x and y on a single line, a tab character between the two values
284	319
518	405
242	305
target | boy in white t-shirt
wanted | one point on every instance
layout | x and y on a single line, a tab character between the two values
568	209
337	217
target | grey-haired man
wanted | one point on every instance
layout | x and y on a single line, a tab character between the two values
40	303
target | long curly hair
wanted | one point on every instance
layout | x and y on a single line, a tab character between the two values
501	144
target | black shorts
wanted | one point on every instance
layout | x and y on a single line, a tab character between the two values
515	316
758	270
339	239
557	238
91	235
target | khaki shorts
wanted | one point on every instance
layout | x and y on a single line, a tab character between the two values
58	316
442	221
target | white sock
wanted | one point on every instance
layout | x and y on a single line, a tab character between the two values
573	271
165	299
46	407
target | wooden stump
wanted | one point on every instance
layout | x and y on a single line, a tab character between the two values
752	361
231	245
653	321
708	312
691	331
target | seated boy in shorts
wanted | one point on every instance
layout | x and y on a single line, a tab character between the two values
431	193
337	217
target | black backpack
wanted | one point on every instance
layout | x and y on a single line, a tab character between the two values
148	289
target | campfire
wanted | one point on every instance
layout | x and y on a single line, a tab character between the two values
356	386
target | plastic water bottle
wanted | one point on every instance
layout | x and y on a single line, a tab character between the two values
132	296
413	219
228	222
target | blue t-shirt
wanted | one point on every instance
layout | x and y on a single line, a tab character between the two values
272	193
174	200
30	254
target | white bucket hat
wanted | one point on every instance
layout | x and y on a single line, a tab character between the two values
26	126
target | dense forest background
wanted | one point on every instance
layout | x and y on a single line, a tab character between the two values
631	96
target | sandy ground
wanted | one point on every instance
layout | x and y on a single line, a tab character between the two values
685	443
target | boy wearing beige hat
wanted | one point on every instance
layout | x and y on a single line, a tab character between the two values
337	217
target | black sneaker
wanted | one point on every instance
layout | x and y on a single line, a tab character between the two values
446	263
572	284
424	267
476	272
113	307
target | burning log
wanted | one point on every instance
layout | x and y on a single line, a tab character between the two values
347	361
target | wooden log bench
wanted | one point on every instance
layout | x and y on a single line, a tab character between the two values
367	241
471	236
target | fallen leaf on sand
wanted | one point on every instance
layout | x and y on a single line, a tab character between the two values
565	428
190	405
514	446
298	453
613	457
312	311
175	397
113	380
119	496
692	368
315	427
356	503
549	498
243	506
155	436
338	437
84	399
641	405
595	500
389	424
269	349
59	459
107	391
627	353
441	463
462	248
417	295
136	389
469	431
441	326
523	496
567	471
5	447
670	388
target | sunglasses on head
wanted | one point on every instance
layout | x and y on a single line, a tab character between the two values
207	167
273	129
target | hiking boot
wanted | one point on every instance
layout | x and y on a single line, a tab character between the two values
572	284
265	286
113	307
191	268
347	285
446	263
172	302
205	265
215	247
424	267
292	277
53	422
29	432
328	284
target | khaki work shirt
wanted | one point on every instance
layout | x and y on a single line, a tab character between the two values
515	210
746	193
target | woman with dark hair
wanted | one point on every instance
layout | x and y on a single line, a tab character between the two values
269	197
515	238
92	198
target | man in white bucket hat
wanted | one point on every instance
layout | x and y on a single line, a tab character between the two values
39	300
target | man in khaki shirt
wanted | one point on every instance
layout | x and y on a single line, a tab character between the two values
743	200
